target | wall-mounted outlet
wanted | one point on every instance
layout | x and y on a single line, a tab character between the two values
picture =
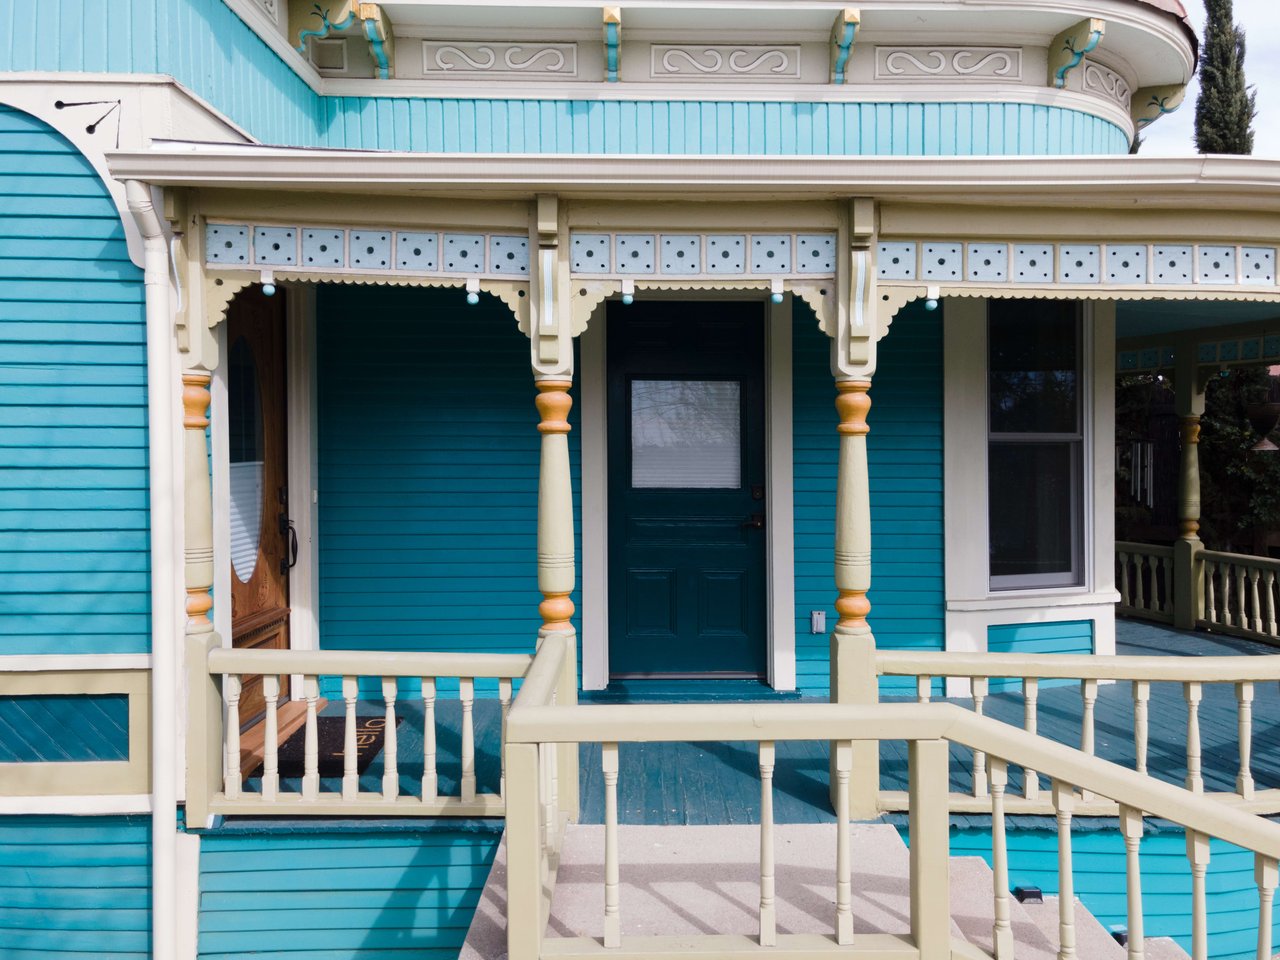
817	621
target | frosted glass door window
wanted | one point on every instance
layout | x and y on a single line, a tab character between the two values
244	423
686	434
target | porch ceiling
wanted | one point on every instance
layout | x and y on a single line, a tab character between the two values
1140	319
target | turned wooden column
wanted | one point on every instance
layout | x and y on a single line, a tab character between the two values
1188	567
556	569
853	647
198	501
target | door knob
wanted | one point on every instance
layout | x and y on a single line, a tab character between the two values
754	522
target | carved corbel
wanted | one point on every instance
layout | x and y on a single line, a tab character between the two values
891	300
550	326
369	19
612	17
1068	48
820	295
1151	103
844	33
853	348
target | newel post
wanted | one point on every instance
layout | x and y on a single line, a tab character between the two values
1188	564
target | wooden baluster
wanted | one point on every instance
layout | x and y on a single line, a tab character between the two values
1269	601
1242	618
271	739
1193	691
924	689
1166	564
350	775
1141	699
1139	593
768	907
1088	699
1124	580
978	687
612	920
504	703
553	777
1131	827
844	859
544	804
1244	734
430	779
1064	801
1255	603
1002	932
1030	722
1210	600
390	769
311	741
467	694
231	688
1198	854
1264	875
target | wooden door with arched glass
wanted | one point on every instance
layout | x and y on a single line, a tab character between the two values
261	537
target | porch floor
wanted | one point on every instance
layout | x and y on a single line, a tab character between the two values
718	782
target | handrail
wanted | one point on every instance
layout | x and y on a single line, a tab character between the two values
545	671
1077	666
1244	559
368	663
1149	549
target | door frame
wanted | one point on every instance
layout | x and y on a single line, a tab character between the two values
779	494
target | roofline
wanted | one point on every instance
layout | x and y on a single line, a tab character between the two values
1228	182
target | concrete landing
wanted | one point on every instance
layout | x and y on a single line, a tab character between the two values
701	880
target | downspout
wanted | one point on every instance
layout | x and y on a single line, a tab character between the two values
161	399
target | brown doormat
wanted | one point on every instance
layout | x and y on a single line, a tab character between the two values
330	737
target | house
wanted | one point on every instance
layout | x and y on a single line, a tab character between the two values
397	397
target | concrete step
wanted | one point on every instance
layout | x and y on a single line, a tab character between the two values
973	910
1092	938
1164	948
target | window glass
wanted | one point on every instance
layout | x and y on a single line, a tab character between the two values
1035	367
686	434
1033	508
244	428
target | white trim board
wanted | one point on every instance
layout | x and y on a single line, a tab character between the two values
779	510
78	806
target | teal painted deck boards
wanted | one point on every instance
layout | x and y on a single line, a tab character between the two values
74	888
74	523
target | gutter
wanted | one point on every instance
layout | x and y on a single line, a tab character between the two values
164	706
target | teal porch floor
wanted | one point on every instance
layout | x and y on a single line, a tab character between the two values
714	782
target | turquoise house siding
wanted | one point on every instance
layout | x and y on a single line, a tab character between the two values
206	47
341	896
74	539
75	888
1232	897
1069	636
428	473
905	452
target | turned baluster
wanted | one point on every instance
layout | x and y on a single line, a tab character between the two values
504	704
1193	691
1131	828
1244	734
1030	722
844	861
1139	591
1264	875
430	779
1269	601
1255	604
350	775
467	694
311	741
768	908
1088	700
1141	699
1210	599
979	686
1125	594
390	770
1242	617
924	689
612	920
1064	801
1002	930
271	739
231	689
1198	855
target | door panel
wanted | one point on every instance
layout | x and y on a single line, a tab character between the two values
686	490
260	534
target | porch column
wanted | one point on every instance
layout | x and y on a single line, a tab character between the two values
1188	567
197	502
556	569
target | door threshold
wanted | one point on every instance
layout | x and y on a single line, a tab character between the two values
699	690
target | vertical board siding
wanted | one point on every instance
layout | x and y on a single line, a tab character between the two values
1069	636
206	47
428	469
1232	897
74	521
341	896
75	888
905	453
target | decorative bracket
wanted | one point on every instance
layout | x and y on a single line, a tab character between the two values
550	330
373	24
844	33
612	42
1069	48
853	348
1151	103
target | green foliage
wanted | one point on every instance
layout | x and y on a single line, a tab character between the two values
1239	489
1227	105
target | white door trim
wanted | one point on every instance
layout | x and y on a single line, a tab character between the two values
779	509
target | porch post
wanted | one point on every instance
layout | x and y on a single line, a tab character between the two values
556	569
1188	567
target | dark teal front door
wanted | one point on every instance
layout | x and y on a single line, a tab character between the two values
686	490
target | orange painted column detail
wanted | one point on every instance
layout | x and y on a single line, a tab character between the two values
853	505
197	502
556	564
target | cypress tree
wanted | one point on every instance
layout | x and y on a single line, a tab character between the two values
1227	105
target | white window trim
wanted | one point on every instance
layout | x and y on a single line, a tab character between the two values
779	502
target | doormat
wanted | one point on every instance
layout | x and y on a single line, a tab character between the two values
330	738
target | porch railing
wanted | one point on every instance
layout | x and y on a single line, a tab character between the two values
1240	595
216	677
1144	575
537	726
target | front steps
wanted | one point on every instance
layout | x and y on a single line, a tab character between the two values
703	880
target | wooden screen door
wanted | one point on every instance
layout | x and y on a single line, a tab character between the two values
261	538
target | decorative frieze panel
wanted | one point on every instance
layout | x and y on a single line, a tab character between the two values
1077	264
705	256
724	61
1105	82
949	63
464	58
367	251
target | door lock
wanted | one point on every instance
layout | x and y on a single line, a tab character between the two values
754	522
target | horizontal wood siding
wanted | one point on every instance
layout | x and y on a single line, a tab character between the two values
1067	636
341	896
74	541
905	452
428	473
75	888
1166	881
